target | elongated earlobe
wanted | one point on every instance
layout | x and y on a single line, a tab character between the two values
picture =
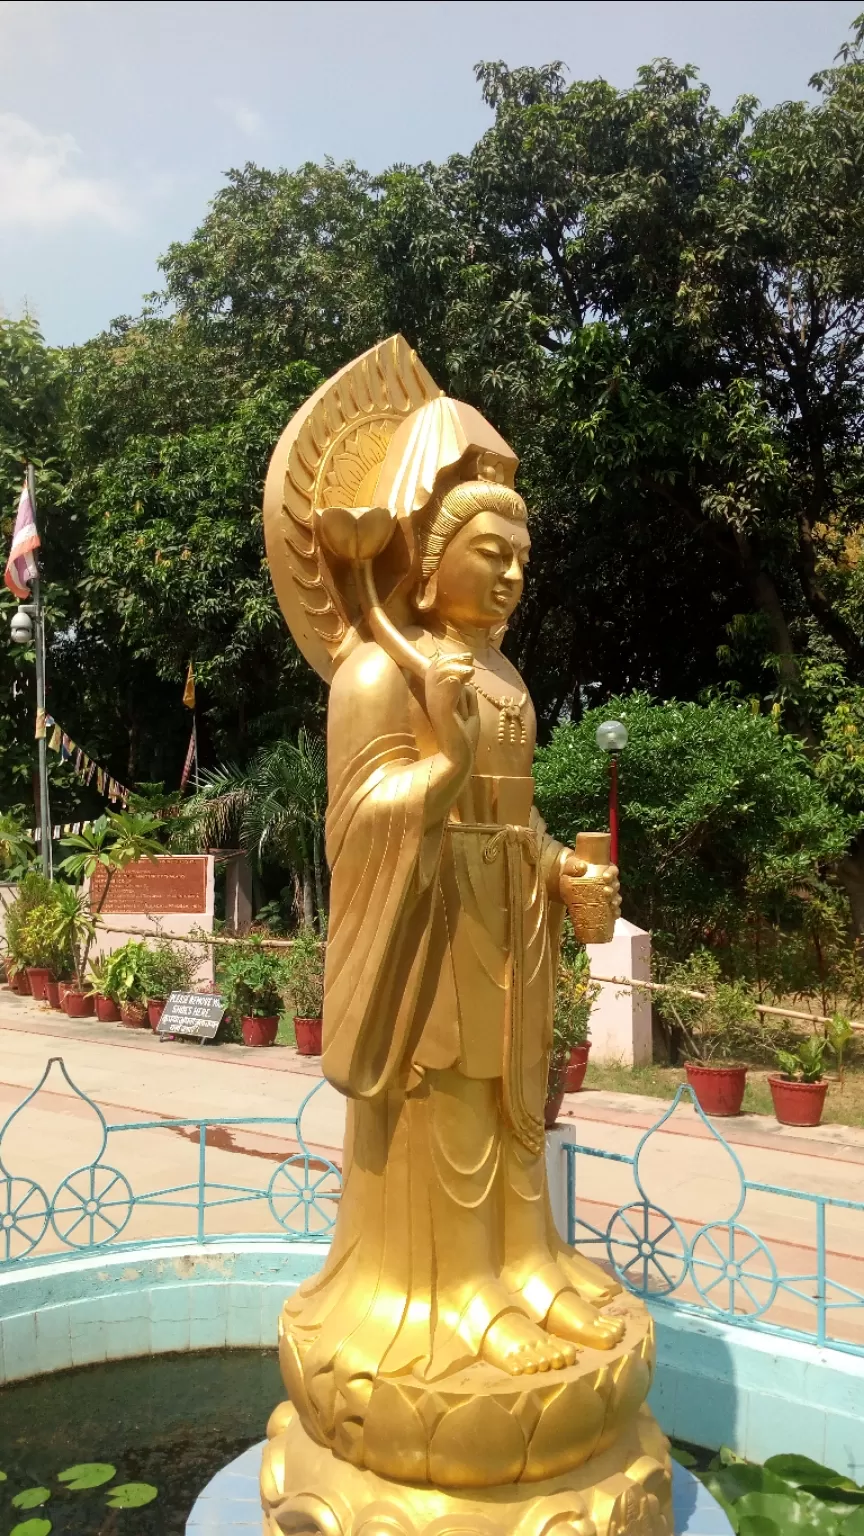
426	594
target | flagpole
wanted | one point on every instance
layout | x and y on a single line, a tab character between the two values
44	810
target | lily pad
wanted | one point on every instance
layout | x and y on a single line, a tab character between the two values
3	1476
853	1525
789	1513
740	1478
87	1474
31	1498
132	1495
32	1528
801	1471
758	1525
683	1458
840	1499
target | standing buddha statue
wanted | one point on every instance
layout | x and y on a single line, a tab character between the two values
454	1359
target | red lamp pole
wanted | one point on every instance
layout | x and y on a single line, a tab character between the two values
613	807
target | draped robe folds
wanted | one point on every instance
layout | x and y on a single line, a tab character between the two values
441	955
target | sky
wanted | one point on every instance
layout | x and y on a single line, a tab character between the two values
118	119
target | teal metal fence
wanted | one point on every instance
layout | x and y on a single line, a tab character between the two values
98	1204
801	1288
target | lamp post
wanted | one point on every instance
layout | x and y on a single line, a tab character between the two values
612	737
23	620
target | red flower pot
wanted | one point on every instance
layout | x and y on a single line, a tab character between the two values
553	1108
798	1103
78	1005
22	984
63	988
38	975
719	1090
577	1066
307	1033
52	994
134	1015
8	969
259	1031
107	1011
155	1009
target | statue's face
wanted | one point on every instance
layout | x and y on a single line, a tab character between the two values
481	574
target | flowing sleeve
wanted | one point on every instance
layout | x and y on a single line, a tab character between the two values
384	856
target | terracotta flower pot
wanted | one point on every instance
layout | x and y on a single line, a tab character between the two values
38	975
134	1015
22	984
107	1011
307	1033
63	987
259	1031
8	969
52	994
798	1103
719	1090
553	1107
78	1005
577	1066
155	1009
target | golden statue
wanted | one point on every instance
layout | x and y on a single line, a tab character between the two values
454	1366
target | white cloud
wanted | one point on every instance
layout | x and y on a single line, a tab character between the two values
39	188
245	118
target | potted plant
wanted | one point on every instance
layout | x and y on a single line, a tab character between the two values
253	981
305	973
129	982
74	930
167	968
34	890
575	994
47	957
102	984
556	1084
717	1021
799	1089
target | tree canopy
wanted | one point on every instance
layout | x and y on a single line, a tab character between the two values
660	304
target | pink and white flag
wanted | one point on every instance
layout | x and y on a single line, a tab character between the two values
21	567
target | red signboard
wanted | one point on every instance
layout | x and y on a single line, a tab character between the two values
168	884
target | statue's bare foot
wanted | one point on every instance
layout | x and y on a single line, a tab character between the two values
587	1279
573	1318
521	1348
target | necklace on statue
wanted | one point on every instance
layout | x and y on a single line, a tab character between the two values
511	726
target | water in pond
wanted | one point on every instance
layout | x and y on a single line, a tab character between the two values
168	1423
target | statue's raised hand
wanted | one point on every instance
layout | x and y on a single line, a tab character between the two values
452	707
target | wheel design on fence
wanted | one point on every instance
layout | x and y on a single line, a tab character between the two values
23	1217
92	1206
732	1269
303	1194
647	1249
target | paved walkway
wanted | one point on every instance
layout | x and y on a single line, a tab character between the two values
686	1172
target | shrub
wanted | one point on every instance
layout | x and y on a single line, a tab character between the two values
305	972
723	824
252	979
168	968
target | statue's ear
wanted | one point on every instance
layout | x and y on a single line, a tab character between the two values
426	593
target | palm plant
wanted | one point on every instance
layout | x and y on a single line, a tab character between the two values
115	840
274	809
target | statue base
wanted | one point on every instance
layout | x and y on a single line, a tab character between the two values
626	1490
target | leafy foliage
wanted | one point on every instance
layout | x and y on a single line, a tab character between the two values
722	821
305	974
805	1064
252	979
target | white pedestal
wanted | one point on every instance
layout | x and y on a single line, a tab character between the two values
620	1024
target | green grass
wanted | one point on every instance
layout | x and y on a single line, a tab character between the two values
843	1106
